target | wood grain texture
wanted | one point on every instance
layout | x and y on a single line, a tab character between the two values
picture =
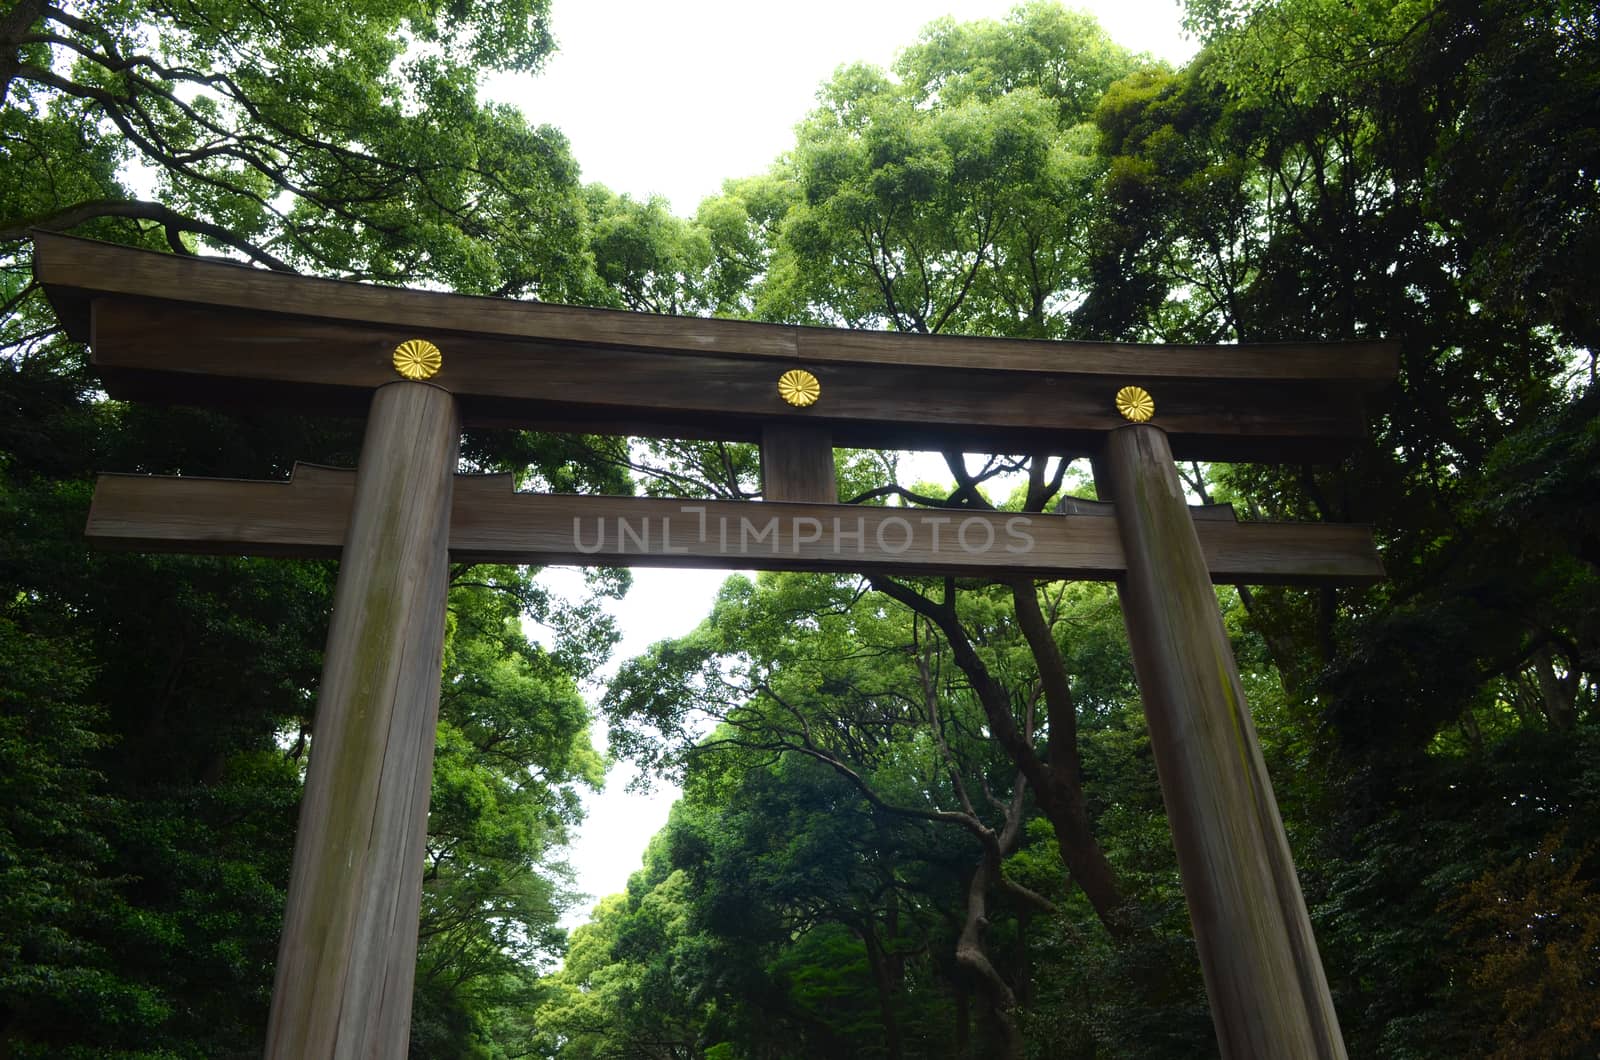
347	959
797	464
72	270
167	351
492	524
1220	513
1264	978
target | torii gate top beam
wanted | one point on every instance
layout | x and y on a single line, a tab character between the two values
188	330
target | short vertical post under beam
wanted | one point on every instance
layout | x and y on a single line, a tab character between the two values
797	464
347	960
1269	996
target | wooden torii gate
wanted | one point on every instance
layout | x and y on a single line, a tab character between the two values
421	364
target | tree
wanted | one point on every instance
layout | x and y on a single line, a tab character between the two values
950	198
1534	929
1412	171
1310	174
794	669
513	747
345	140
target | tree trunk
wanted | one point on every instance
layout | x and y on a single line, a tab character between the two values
14	27
970	954
882	979
1558	698
1062	797
1057	789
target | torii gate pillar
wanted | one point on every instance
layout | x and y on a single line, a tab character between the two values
347	960
1269	996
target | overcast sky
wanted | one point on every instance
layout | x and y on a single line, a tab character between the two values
673	98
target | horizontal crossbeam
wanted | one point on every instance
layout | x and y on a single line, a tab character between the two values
196	331
491	523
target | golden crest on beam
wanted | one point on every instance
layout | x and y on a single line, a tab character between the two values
417	359
799	388
1135	404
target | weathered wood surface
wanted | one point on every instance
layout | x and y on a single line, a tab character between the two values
492	524
347	959
198	331
164	351
71	269
1268	994
797	464
1222	513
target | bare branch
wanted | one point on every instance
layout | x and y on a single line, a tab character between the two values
996	703
904	494
1026	895
142	210
1060	711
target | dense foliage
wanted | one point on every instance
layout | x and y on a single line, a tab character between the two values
919	819
156	713
841	876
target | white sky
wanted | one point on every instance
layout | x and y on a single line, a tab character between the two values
662	604
673	99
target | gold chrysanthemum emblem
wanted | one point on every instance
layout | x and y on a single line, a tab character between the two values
417	359
799	388
1135	404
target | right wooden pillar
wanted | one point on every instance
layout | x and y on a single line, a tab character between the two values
1269	997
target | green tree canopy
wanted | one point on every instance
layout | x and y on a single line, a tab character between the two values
153	780
1417	171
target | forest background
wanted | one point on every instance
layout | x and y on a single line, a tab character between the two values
919	819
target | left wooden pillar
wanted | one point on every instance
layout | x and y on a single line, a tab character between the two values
347	960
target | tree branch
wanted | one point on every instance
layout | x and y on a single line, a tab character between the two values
139	209
996	703
1060	712
13	27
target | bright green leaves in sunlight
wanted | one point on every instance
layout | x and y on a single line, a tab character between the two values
337	138
952	196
